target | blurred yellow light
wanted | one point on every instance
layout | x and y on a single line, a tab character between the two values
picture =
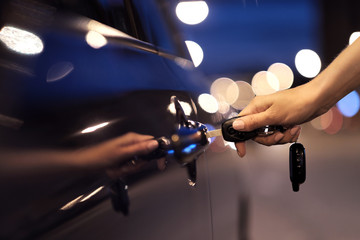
21	41
94	128
185	106
283	73
264	83
208	103
192	12
95	39
245	95
308	63
353	37
196	52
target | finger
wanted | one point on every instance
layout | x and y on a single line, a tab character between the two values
270	140
252	122
241	149
296	137
161	164
132	138
140	148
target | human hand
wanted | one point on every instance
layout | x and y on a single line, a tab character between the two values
288	108
113	154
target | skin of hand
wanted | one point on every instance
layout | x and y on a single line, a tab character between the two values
114	152
292	107
109	155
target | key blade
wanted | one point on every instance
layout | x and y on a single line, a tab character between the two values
213	133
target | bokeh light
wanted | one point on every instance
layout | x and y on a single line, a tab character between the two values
349	105
192	12
308	63
332	124
225	89
264	83
95	39
21	41
245	95
208	103
196	52
353	37
283	73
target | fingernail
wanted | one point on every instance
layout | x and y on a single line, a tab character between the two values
238	124
152	144
279	136
294	130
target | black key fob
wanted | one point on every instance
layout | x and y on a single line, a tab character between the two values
297	165
232	135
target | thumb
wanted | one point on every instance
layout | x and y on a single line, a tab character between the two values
250	122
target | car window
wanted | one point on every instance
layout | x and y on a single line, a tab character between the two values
114	13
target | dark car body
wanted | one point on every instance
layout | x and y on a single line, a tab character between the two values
48	98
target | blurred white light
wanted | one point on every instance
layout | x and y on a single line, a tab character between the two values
264	83
192	12
349	105
208	103
185	106
225	89
245	95
95	39
196	52
21	41
308	63
94	128
353	37
283	73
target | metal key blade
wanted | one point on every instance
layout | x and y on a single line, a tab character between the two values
213	133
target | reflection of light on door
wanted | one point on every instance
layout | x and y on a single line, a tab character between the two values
95	39
283	73
59	71
196	52
353	37
308	63
184	105
264	83
192	12
95	127
208	103
21	41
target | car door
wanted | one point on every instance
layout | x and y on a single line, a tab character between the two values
50	98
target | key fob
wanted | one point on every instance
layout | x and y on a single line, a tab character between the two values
297	165
232	135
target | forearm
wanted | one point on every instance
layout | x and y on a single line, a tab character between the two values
34	162
340	78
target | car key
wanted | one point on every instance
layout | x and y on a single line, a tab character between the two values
297	165
231	135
